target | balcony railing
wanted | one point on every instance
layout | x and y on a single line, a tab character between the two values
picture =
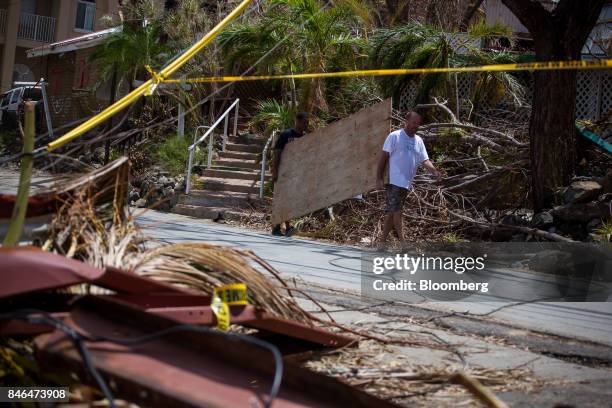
2	21
36	28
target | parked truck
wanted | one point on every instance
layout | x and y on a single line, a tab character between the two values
11	103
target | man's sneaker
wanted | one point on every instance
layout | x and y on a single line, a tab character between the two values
276	231
290	231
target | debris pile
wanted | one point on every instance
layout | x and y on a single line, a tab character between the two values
135	311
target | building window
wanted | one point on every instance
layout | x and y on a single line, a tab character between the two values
85	16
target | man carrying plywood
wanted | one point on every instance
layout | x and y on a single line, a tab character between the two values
287	136
404	152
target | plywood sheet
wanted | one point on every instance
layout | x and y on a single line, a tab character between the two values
331	164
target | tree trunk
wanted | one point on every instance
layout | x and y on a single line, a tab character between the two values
469	13
398	11
558	34
552	135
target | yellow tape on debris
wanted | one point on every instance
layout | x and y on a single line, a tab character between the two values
531	66
224	297
148	86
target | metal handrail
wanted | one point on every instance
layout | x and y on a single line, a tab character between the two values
209	132
264	162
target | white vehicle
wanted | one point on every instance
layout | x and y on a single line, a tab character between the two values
11	101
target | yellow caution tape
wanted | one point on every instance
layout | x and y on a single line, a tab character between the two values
234	294
530	66
155	78
147	86
224	297
221	311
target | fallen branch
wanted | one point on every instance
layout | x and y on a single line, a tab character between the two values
478	390
478	179
440	105
534	231
487	225
492	132
477	139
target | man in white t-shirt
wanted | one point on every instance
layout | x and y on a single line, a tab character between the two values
404	152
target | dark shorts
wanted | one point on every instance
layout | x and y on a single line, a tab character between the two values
395	198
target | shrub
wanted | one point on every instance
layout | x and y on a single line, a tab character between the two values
172	154
605	231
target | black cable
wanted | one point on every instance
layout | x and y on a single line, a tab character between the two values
78	339
278	358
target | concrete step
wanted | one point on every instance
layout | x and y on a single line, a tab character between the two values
248	139
238	155
234	174
238	147
207	198
210	213
237	164
227	184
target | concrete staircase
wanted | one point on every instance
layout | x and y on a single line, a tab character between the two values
230	186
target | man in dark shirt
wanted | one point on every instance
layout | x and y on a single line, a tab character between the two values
287	136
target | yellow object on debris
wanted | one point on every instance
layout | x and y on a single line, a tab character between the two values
224	297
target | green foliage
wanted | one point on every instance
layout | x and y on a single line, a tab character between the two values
172	154
196	182
271	115
184	22
268	190
605	231
322	39
331	229
452	238
483	31
128	51
419	46
114	154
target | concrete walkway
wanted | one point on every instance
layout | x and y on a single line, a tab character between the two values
339	267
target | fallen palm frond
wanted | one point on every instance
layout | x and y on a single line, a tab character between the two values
100	234
204	267
106	235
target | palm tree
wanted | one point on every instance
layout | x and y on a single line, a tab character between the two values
125	54
271	116
128	51
421	46
320	39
